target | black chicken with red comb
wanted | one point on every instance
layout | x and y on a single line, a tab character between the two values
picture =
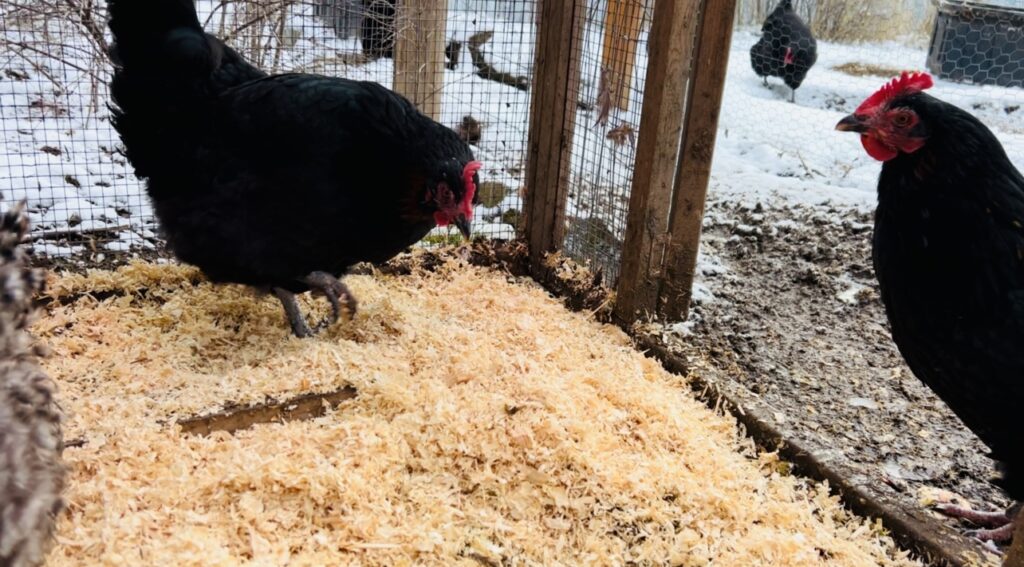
281	182
787	48
949	254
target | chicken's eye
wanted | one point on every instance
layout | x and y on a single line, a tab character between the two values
901	120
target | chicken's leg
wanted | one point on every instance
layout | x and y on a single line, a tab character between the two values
998	526
291	309
792	95
336	293
764	80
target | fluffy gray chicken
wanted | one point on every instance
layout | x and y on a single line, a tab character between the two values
31	471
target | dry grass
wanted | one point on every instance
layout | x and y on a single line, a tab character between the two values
858	69
867	20
844	21
491	427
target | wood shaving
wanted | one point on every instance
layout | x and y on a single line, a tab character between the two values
491	426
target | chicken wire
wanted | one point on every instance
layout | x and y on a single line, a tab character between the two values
612	61
61	154
772	149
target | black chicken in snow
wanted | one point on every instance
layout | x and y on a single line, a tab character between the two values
279	182
787	49
949	255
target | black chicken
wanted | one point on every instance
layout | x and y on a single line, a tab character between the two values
949	254
377	29
787	49
32	475
278	182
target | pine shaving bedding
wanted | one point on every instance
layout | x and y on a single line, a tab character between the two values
491	427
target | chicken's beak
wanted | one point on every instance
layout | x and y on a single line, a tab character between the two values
852	123
464	226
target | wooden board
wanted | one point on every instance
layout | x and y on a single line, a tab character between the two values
704	103
623	20
419	53
661	124
552	120
305	406
914	529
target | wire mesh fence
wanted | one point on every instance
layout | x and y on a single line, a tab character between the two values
612	62
974	50
60	153
795	67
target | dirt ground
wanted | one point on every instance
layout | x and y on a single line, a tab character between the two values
798	331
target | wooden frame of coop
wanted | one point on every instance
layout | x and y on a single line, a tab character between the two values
688	55
689	46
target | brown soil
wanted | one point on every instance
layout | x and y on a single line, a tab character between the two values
790	335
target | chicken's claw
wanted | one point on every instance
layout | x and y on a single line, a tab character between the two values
998	526
1002	534
336	292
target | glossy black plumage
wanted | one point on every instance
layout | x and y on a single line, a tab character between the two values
949	255
784	30
263	180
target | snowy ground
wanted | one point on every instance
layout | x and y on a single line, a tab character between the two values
769	148
58	150
771	151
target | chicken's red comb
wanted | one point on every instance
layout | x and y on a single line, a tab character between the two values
467	182
905	84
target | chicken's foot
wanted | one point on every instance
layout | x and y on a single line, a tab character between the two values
291	309
997	526
335	291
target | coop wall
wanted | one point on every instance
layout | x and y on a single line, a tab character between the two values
59	152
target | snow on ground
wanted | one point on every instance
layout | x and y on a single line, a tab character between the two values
776	153
771	149
58	150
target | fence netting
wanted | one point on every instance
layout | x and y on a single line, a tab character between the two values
612	62
58	150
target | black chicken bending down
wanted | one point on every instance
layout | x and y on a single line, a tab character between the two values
949	255
31	442
786	48
279	182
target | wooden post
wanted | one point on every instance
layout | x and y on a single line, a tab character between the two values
622	23
1015	555
704	101
552	120
419	52
661	123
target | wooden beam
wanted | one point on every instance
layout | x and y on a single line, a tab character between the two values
1015	555
661	123
552	120
304	406
420	29
623	20
704	101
